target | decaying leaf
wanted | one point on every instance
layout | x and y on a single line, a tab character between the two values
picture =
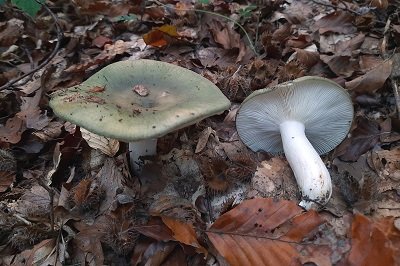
12	131
362	139
371	81
106	145
44	253
338	22
387	163
374	242
161	36
184	233
266	231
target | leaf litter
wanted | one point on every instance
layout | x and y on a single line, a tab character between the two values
67	196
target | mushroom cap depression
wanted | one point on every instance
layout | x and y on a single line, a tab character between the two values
139	99
323	106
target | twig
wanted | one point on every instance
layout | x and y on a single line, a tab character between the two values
51	56
22	219
396	96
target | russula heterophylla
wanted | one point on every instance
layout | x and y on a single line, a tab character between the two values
303	118
138	101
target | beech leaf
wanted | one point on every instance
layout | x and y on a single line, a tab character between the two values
263	232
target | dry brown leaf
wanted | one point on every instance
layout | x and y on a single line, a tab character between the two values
12	131
349	47
387	163
44	253
10	31
363	138
203	139
306	58
113	180
368	62
371	81
341	65
338	22
87	241
108	146
184	233
156	229
100	41
108	8
266	231
161	36
49	132
35	203
227	38
374	242
108	54
274	177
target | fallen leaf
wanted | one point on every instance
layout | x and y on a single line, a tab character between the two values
161	36
374	242
44	253
364	137
157	253
11	31
184	233
174	207
100	41
266	231
341	65
35	203
49	132
387	163
103	7
337	22
87	240
203	139
12	131
155	228
371	81
108	146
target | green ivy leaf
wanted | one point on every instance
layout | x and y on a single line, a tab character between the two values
31	7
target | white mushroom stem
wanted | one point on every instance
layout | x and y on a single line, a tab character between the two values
311	174
141	148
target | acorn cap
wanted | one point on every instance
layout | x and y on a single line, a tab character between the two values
322	105
140	99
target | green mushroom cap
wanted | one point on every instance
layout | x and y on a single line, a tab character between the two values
139	99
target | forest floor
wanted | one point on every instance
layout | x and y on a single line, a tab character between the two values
68	196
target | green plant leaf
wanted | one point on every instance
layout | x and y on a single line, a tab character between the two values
31	7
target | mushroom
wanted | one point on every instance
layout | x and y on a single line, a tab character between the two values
304	118
139	101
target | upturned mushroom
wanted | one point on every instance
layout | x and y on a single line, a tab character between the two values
303	118
139	101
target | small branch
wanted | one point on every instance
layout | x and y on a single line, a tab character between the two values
396	96
51	56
